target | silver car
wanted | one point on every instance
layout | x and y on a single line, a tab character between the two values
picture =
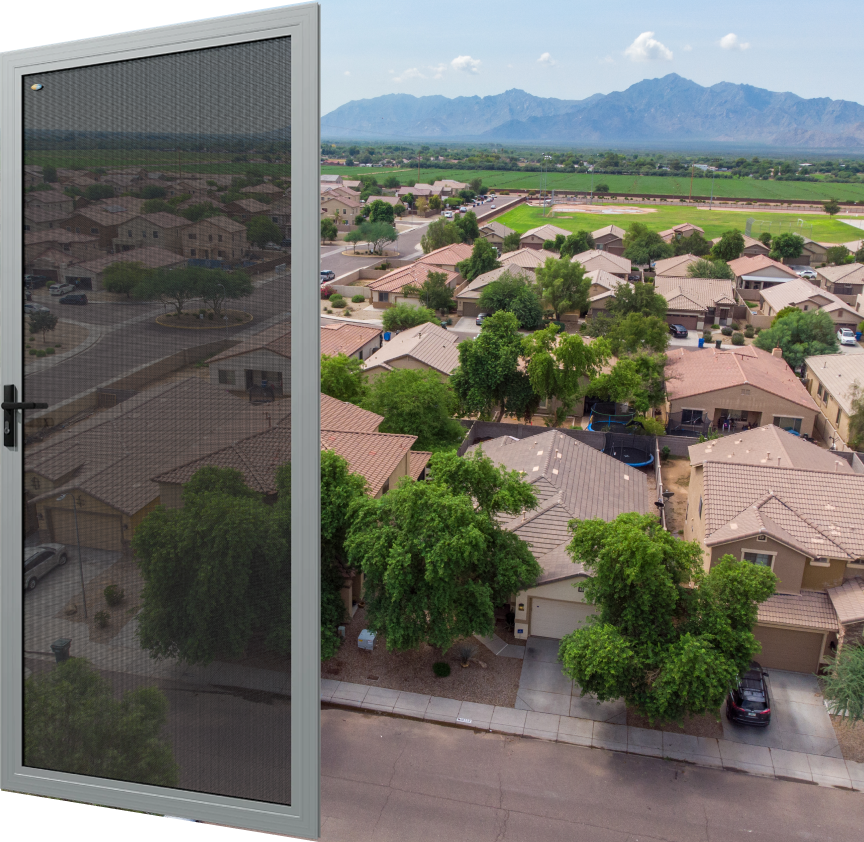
41	560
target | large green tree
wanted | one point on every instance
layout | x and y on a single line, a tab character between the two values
329	231
435	557
563	286
343	378
800	335
484	258
123	277
215	287
667	638
261	230
638	380
468	227
377	235
856	417
176	287
381	211
831	207
517	295
74	722
416	403
433	292
401	316
642	246
635	333
787	246
730	246
710	269
695	244
42	321
440	233
636	298
576	243
511	242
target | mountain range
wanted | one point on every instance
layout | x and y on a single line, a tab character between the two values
666	111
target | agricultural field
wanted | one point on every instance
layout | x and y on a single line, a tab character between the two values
715	222
740	188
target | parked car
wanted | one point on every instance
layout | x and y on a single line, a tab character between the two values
492	206
634	276
448	214
748	701
74	298
41	560
62	289
35	308
286	243
846	336
327	275
678	331
480	317
804	272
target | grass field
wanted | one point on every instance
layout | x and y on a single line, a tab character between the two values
741	188
715	222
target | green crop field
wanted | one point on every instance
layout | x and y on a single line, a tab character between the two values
740	188
715	222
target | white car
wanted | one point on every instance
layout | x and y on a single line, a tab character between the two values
62	289
448	214
41	560
846	336
807	274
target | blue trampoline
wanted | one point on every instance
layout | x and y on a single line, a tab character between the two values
631	449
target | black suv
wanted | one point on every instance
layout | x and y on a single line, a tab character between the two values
748	702
74	298
678	331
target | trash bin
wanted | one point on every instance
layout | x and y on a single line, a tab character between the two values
60	648
387	336
444	324
366	640
701	341
718	343
857	335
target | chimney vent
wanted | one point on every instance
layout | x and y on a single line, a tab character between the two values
777	352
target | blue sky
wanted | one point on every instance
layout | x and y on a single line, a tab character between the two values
559	48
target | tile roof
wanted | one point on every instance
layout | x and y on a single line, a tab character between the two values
276	338
704	292
341	198
151	256
851	273
526	258
684	228
164	220
696	372
417	461
750	265
476	286
428	343
346	337
447	255
56	257
793	293
263	189
250	205
771	446
46	197
106	214
609	229
675	265
571	480
45	213
816	512
339	415
56	235
848	600
545	232
596	259
132	203
838	373
222	222
808	609
497	228
413	275
373	455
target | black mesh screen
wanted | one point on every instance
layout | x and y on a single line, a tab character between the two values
157	254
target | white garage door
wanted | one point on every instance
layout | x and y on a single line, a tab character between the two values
556	617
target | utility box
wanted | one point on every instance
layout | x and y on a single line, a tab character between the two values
366	640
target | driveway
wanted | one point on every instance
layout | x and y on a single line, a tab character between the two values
545	689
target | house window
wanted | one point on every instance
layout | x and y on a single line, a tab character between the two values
209	238
192	252
761	537
837	420
93	230
226	378
155	235
784	423
691	416
220	254
193	236
384	297
129	234
819	392
34	483
745	391
700	508
77	230
762	559
218	238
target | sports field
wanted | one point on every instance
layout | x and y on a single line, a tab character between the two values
715	222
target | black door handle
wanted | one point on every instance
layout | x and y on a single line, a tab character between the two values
29	405
9	406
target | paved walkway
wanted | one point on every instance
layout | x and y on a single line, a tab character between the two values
498	647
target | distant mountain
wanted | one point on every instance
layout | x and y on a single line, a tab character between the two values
671	110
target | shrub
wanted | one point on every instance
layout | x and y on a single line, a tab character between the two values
749	332
336	300
33	352
653	426
358	299
706	334
346	311
726	331
737	338
733	325
102	619
40	353
758	330
665	452
113	595
49	351
715	327
441	669
466	652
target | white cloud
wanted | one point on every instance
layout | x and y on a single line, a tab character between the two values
731	42
438	71
466	64
546	59
607	60
647	48
347	72
410	73
687	48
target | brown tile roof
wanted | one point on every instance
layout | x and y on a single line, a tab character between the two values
106	214
838	373
346	337
339	415
771	446
276	338
413	275
674	265
808	609
851	273
545	232
816	512
696	372
497	228
46	197
417	461
793	293
447	255
704	292
132	203
56	257
571	480
430	344
263	189
526	258
164	220
45	213
685	229
373	455
749	265
151	256
56	235
222	222
341	197
596	259
848	600
609	229
249	205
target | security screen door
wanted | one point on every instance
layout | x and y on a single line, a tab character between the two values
164	408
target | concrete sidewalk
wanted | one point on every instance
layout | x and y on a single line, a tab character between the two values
701	751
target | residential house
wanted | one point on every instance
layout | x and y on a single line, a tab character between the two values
535	238
846	282
697	302
447	187
752	246
528	259
330	179
53	198
603	287
279	212
760	272
349	338
743	387
245	209
572	480
215	238
259	366
418	191
389	289
346	208
468	295
271	191
88	273
612	263
164	230
494	233
834	381
674	267
102	221
609	238
769	498
814	254
73	247
805	296
447	257
427	347
44	217
685	229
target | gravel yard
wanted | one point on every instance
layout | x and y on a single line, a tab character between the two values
850	737
496	684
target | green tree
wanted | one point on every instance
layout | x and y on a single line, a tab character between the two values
783	313
642	246
202	210
476	185
49	174
561	365
831	207
158	206
435	557
175	287
667	638
765	238
636	298
401	316
859	255
838	255
786	246
710	269
511	242
416	403
844	683
74	723
801	335
433	292
440	233
392	182
96	192
408	198
215	287
399	209
380	211
343	378
636	332
563	286
354	237
602	187
638	380
152	191
484	258
377	235
329	231
517	295
261	230
576	243
695	244
468	227
124	277
42	321
435	203
730	246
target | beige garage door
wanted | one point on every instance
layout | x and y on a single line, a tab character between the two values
557	617
103	532
788	649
